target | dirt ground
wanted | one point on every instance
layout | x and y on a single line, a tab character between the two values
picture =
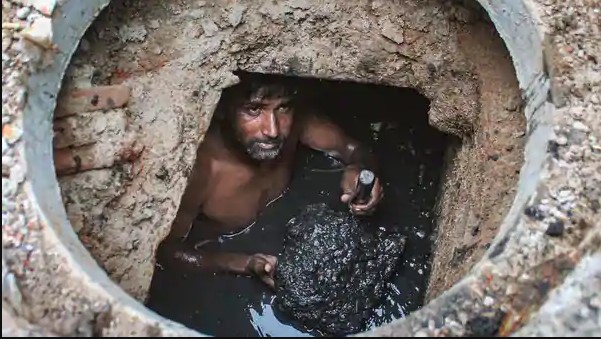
483	170
176	56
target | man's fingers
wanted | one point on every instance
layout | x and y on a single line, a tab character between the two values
364	207
348	184
257	266
272	261
348	196
267	276
367	208
263	266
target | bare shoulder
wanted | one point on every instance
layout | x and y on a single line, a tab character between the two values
312	119
206	156
319	132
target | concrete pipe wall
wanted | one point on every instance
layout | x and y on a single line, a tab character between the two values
541	275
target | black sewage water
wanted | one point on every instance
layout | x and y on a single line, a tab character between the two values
393	122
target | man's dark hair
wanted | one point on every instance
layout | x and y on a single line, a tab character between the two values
257	85
264	86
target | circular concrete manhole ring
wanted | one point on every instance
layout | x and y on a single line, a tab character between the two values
545	253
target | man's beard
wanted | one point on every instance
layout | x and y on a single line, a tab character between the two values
255	150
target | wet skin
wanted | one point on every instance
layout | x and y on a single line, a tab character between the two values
246	161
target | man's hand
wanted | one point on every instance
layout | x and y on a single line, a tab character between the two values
349	192
263	266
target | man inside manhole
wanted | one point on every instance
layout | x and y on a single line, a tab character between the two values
245	162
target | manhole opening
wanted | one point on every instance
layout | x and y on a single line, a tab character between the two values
125	151
393	123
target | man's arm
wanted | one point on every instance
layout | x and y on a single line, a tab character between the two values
321	134
179	255
174	252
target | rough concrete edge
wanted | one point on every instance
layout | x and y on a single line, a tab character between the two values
70	21
569	303
15	326
404	325
534	86
542	117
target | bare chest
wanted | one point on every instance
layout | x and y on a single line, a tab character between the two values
238	194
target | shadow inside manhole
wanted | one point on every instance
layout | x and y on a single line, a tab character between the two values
393	122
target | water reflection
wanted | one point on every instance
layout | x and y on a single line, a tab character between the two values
394	123
264	321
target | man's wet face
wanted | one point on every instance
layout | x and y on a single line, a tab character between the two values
263	122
